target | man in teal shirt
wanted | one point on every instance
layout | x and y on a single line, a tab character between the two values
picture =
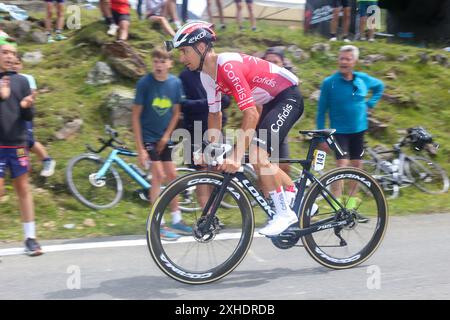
345	97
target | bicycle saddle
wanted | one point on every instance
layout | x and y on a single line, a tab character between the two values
319	133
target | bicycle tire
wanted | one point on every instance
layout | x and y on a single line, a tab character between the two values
315	250
75	190
422	170
174	269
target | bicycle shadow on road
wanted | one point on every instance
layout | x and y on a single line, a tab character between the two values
162	287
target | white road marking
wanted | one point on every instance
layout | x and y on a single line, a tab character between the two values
113	244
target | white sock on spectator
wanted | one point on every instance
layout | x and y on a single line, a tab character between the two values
176	217
29	229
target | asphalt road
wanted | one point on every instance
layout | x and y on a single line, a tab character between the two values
412	263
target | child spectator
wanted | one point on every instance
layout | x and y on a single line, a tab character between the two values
120	10
34	146
16	107
155	114
59	22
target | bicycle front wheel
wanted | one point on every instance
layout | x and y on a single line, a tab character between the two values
202	255
359	203
427	175
93	192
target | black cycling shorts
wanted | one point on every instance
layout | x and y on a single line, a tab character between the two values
165	155
352	143
341	3
277	118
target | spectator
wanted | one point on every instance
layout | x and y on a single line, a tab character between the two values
34	146
195	113
105	7
220	9
363	8
250	14
171	10
120	10
59	21
16	107
155	13
276	56
344	97
155	115
347	9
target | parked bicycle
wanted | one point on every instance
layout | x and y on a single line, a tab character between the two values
96	183
345	231
400	170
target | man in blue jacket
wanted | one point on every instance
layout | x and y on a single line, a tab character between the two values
344	96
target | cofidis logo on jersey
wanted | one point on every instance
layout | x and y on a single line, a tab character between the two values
281	118
235	80
267	81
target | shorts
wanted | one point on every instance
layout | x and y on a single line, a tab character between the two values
247	1
352	143
341	3
59	1
277	118
363	6
16	159
165	155
117	17
30	134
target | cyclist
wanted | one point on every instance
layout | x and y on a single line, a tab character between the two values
251	81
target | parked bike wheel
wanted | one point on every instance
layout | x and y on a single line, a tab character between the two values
427	175
205	255
94	193
364	211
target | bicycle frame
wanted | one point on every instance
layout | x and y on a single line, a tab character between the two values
114	158
217	195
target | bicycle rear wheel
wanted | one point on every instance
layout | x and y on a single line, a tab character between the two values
364	210
204	255
427	175
92	192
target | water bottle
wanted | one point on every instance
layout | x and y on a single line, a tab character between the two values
395	165
386	166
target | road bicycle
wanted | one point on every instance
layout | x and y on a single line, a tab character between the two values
345	231
400	170
96	182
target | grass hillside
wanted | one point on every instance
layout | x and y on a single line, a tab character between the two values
424	91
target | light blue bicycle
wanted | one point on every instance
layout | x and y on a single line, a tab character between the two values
96	183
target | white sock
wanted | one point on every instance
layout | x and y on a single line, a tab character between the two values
29	229
176	217
279	200
290	193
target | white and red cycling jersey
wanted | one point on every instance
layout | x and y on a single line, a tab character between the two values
250	80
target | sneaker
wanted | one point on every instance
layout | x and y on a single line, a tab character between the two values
278	224
49	168
112	31
177	24
166	234
333	39
32	248
222	27
60	37
181	228
363	39
254	29
50	39
371	40
347	40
